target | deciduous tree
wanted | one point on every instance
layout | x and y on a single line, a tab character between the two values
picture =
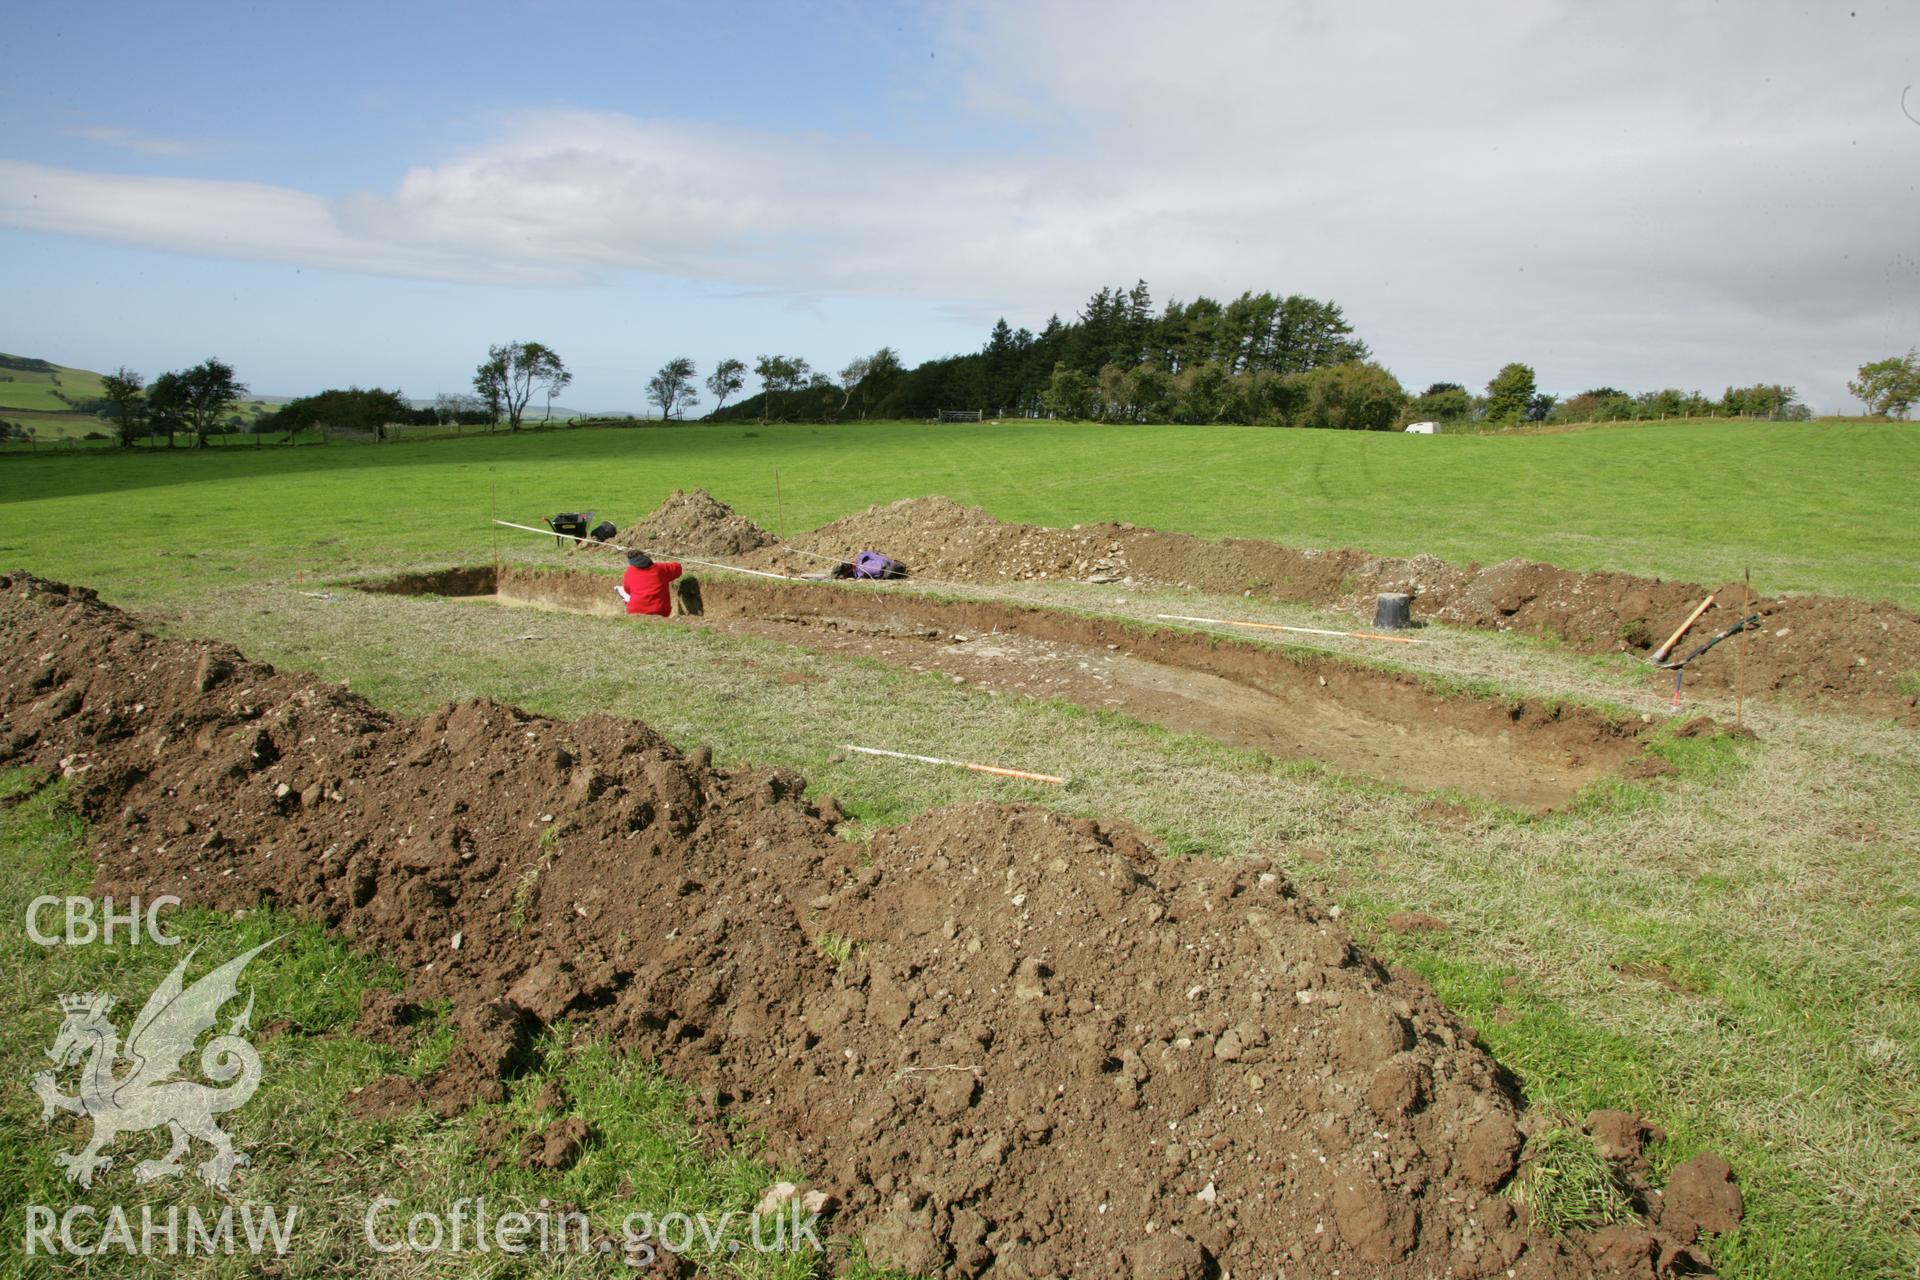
1110	387
553	377
850	379
779	374
368	411
1203	390
192	400
166	398
1889	387
1150	390
506	379
1069	394
727	378
122	389
1441	402
1770	400
1356	396
1510	394
673	387
868	377
1599	404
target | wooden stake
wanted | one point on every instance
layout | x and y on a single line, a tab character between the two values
996	770
1660	654
1740	660
779	507
1275	626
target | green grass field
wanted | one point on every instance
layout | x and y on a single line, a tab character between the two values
1809	507
1733	949
50	426
35	391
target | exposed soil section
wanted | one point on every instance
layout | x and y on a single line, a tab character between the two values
1363	721
1048	1051
447	582
574	590
1840	653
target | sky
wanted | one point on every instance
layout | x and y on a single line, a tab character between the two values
1635	195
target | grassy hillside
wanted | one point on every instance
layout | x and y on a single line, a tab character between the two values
28	383
44	396
64	425
1811	507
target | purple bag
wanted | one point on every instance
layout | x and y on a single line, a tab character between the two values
871	564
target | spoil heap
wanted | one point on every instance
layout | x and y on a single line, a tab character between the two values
1849	655
694	524
938	538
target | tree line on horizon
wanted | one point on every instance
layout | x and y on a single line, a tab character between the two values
1260	359
1246	360
196	402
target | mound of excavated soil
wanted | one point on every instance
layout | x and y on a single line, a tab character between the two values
1047	1050
693	523
938	538
1845	654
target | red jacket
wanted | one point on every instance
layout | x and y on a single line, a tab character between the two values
647	588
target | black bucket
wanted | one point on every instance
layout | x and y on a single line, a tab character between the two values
1392	611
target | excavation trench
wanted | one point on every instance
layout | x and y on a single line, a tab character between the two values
998	1039
1367	722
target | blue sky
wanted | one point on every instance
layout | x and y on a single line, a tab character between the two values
370	194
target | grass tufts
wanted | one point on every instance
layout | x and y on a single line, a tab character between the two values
1566	1184
838	949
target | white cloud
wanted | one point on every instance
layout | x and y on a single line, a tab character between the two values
567	197
1624	191
1634	194
216	218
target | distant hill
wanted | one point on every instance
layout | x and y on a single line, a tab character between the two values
47	398
562	412
536	411
28	383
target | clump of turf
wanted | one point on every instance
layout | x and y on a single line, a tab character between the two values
1567	1185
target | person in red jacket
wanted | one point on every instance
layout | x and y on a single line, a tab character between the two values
646	584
